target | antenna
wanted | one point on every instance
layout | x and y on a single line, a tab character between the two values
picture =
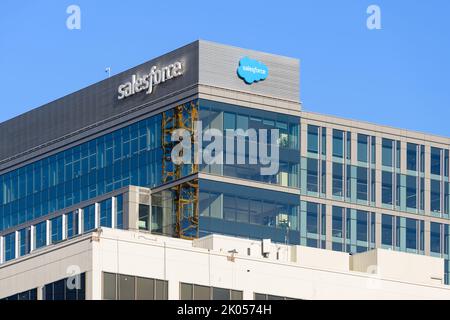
108	71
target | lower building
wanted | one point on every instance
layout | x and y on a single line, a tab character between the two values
120	264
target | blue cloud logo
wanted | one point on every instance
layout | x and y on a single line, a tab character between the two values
251	70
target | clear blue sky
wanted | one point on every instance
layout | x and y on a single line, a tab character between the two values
398	76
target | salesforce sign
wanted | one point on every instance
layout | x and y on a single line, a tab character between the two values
150	80
251	70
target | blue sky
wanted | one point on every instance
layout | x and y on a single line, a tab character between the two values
398	76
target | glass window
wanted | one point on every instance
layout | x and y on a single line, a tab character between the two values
41	234
56	225
361	226
361	183
109	286
144	217
313	138
202	292
220	294
186	291
435	161
72	224
24	241
126	287
145	289
386	187
337	225
435	237
89	218
338	143
387	152
362	147
435	196
312	178
10	246
311	217
411	192
338	179
411	156
387	230
106	213
411	234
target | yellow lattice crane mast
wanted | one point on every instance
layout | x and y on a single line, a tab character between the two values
185	195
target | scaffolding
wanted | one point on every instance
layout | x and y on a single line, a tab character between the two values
185	195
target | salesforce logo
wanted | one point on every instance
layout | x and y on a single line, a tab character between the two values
252	70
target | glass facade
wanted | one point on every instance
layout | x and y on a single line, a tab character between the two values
412	177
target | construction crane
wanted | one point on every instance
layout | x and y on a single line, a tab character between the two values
185	195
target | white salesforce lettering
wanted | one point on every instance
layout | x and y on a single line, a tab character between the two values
150	80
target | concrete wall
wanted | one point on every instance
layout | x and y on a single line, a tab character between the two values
176	260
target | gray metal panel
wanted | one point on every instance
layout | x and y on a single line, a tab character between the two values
92	104
219	63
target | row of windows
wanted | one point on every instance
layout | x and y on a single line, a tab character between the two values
189	291
28	240
126	287
366	151
358	184
71	288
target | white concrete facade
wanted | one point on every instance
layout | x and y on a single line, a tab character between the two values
232	263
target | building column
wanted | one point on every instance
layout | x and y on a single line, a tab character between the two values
113	212
64	226
48	231
427	235
2	249
80	221
329	227
32	238
16	245
96	215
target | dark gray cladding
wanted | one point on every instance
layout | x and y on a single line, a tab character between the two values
92	104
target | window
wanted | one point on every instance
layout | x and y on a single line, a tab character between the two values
313	138
24	241
41	234
26	295
324	141
312	178
361	183
435	196
386	187
435	237
72	224
10	246
411	234
89	218
144	217
435	161
411	156
361	226
106	213
263	296
337	225
387	230
411	192
362	147
190	291
126	287
56	227
73	288
338	179
387	152
338	143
